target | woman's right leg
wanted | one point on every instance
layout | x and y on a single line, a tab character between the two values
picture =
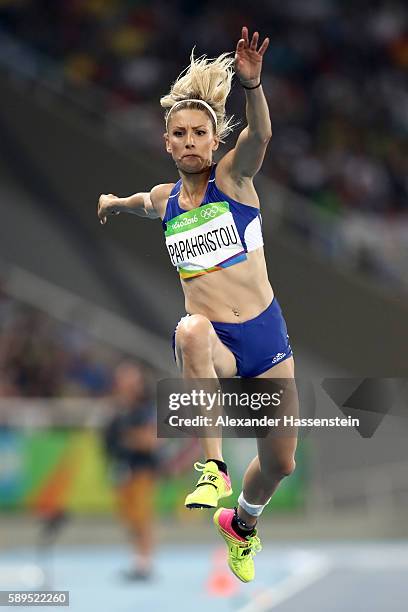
201	354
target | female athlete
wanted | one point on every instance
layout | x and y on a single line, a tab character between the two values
235	326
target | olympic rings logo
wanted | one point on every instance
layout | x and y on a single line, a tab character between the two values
209	213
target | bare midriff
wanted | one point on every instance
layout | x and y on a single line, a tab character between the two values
232	295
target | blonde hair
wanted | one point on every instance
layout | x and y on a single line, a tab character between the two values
208	80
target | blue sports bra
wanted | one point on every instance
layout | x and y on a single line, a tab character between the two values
215	235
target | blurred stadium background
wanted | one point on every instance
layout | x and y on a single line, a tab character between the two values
79	116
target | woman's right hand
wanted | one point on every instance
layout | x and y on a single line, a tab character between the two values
108	204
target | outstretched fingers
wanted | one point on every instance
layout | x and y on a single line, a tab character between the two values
244	43
263	47
254	41
245	35
240	44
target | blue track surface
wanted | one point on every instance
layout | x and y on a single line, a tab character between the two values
326	578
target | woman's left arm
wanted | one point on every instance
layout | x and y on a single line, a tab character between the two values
245	160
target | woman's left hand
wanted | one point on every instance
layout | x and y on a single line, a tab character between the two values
248	60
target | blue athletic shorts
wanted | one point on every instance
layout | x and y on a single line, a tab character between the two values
257	344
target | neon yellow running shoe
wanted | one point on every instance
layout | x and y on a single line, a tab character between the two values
212	486
241	551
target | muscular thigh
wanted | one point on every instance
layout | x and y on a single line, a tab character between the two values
284	369
222	358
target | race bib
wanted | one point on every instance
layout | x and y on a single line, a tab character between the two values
204	240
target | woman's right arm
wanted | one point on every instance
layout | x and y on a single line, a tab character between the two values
150	205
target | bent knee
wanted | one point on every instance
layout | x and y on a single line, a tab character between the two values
193	334
287	468
279	469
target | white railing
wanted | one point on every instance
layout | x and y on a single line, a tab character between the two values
342	237
374	488
100	323
39	413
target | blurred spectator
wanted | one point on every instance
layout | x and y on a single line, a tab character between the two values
41	357
131	444
87	372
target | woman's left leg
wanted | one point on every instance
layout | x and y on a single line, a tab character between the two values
275	459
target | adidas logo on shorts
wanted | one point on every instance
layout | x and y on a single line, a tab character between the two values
278	357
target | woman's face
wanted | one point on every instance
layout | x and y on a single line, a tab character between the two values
190	140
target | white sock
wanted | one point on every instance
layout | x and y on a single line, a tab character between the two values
252	509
